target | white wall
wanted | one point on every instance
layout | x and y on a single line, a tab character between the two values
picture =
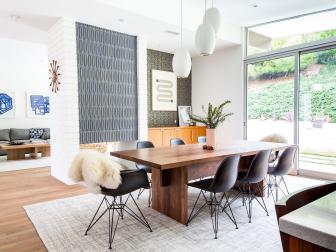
217	78
23	67
64	103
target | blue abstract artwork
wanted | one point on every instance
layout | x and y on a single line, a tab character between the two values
6	103
39	104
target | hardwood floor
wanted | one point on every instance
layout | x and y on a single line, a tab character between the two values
25	187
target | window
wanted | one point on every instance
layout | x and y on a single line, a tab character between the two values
290	32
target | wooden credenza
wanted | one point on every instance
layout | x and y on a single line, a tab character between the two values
160	137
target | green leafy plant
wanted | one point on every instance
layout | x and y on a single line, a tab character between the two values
213	116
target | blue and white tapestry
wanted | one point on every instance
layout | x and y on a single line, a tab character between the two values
7	107
38	104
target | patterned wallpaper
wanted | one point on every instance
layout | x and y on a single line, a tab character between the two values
163	61
107	85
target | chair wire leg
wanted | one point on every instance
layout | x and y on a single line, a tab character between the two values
214	213
233	218
113	224
283	179
140	192
142	220
262	198
276	188
192	210
92	223
250	202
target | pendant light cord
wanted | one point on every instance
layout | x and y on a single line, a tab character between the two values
181	23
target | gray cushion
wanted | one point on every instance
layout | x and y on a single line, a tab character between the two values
46	134
4	135
19	134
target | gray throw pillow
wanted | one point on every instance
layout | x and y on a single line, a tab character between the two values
46	134
4	135
19	134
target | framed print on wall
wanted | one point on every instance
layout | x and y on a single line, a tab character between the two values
38	104
7	104
184	115
164	91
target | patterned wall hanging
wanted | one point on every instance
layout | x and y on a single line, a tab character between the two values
54	74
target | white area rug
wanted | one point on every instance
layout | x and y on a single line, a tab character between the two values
28	163
61	225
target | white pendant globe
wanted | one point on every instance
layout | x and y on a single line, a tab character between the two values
181	63
212	17
205	39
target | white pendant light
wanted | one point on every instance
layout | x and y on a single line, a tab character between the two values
212	17
181	59
205	38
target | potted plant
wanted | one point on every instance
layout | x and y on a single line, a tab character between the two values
213	117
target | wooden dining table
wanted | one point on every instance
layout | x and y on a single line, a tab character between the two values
173	167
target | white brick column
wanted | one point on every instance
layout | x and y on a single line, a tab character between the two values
64	104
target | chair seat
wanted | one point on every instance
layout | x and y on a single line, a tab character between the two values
131	180
203	184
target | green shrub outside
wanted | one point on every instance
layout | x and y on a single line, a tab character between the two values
275	101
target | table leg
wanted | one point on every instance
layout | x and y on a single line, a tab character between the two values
15	154
170	193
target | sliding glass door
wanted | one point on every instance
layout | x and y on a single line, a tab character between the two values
317	117
270	99
295	97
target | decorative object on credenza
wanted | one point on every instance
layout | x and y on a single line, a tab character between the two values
7	104
164	91
54	76
214	116
182	59
184	115
38	104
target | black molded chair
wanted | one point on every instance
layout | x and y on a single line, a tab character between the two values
280	168
176	141
254	175
223	181
144	145
131	180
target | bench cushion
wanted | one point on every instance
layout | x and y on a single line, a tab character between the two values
4	135
19	134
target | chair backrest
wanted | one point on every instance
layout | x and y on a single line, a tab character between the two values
201	139
176	141
285	161
258	168
144	145
226	175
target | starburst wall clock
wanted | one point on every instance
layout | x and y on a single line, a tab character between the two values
54	76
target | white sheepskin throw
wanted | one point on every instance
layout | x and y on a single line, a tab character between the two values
274	138
95	169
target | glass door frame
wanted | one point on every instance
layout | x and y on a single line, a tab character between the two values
296	52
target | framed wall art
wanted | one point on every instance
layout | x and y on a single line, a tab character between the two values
164	91
38	104
7	104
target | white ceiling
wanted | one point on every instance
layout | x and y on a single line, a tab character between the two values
150	18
